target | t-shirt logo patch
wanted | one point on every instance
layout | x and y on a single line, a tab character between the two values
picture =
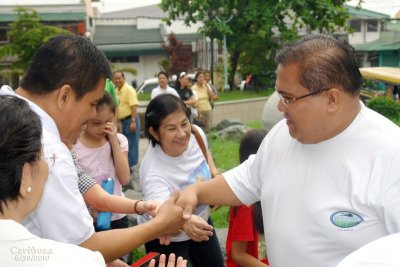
346	219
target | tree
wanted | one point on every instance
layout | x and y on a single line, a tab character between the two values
179	55
26	35
260	27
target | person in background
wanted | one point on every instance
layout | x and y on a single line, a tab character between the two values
245	223
103	153
173	161
24	172
128	115
186	94
327	175
207	78
163	87
110	88
63	89
205	98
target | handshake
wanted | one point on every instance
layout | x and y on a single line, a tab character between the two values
174	217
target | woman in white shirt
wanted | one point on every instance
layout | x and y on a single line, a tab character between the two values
23	172
173	161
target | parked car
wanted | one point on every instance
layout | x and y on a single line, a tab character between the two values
149	84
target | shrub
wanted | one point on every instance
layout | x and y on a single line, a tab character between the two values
386	106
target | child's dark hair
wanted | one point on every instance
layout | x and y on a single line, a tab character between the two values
249	144
106	100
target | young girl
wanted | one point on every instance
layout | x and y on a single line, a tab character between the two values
103	153
245	223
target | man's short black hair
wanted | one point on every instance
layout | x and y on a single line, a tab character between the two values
66	59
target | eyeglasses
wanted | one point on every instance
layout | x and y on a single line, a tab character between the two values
51	160
288	100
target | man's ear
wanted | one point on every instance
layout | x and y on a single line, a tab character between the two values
65	95
154	134
26	180
334	98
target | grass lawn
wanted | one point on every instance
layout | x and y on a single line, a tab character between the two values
227	96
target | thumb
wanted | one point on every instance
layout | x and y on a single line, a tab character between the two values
187	211
174	197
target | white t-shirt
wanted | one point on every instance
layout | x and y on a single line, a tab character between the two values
158	91
61	214
322	201
19	248
161	174
383	252
99	164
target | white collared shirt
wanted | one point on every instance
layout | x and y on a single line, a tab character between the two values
61	214
20	248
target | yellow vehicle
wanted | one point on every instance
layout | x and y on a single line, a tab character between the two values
380	81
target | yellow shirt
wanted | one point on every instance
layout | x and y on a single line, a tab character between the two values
202	94
127	98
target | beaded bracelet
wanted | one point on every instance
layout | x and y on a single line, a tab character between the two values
135	207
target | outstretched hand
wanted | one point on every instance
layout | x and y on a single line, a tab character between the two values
171	261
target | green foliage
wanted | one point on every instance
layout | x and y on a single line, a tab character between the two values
26	35
387	107
251	34
225	152
138	253
220	217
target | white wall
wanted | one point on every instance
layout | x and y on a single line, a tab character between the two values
147	67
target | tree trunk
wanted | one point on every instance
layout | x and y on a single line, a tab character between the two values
234	63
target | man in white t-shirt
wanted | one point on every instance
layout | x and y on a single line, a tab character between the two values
163	87
327	175
65	80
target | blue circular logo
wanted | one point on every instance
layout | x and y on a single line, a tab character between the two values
346	219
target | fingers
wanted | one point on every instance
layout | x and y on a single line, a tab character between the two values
174	197
165	240
171	260
161	262
181	262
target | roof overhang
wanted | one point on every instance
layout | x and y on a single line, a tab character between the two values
131	49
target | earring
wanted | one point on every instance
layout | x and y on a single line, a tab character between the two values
29	189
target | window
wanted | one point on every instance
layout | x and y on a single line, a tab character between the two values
3	35
355	25
372	25
116	59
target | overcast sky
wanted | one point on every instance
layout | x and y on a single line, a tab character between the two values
390	7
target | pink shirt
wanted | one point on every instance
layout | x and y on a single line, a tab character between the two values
98	163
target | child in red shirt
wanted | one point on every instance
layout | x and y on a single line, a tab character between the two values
245	223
